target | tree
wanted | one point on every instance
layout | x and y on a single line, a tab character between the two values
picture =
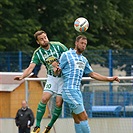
109	23
111	26
18	24
58	18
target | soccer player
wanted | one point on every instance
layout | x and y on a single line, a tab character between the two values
73	65
48	53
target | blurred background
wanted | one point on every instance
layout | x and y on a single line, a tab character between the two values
109	51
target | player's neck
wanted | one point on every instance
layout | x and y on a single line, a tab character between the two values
46	47
78	52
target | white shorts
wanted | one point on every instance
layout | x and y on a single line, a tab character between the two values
54	85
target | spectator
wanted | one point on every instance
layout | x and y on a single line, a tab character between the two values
24	118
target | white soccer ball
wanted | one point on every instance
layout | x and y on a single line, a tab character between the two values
81	24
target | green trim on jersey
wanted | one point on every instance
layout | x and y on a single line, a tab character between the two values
47	57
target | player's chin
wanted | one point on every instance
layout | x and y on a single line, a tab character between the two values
82	50
45	44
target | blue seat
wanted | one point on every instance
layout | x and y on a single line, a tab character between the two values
106	111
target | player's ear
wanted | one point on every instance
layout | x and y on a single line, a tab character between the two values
75	43
37	41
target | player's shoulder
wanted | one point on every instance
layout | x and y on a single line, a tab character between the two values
36	50
84	57
56	43
67	52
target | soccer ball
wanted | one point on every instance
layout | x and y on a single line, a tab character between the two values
81	24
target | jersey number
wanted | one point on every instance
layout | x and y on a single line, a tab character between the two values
48	86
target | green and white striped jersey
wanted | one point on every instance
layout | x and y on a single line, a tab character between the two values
47	57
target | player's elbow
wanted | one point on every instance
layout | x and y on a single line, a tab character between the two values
92	75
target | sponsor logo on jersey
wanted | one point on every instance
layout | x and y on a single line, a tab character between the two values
79	65
50	60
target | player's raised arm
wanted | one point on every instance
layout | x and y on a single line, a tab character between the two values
26	72
103	78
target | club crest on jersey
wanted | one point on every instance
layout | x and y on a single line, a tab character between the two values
50	60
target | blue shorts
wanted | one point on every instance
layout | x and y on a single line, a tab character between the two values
74	100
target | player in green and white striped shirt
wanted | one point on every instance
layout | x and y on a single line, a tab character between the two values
47	54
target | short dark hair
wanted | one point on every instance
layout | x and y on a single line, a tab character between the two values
81	37
38	33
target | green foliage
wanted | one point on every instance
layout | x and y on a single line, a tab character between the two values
58	18
108	24
17	25
111	23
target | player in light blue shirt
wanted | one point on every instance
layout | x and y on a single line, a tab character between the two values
73	65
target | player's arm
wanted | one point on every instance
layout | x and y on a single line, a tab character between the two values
103	78
26	72
61	64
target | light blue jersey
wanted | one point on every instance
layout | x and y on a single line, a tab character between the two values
73	67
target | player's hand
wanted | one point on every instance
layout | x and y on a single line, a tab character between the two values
18	78
57	70
115	78
55	64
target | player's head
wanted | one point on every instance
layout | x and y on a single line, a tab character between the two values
41	38
80	43
24	104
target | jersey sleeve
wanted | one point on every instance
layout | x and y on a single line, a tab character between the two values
63	47
88	68
35	58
